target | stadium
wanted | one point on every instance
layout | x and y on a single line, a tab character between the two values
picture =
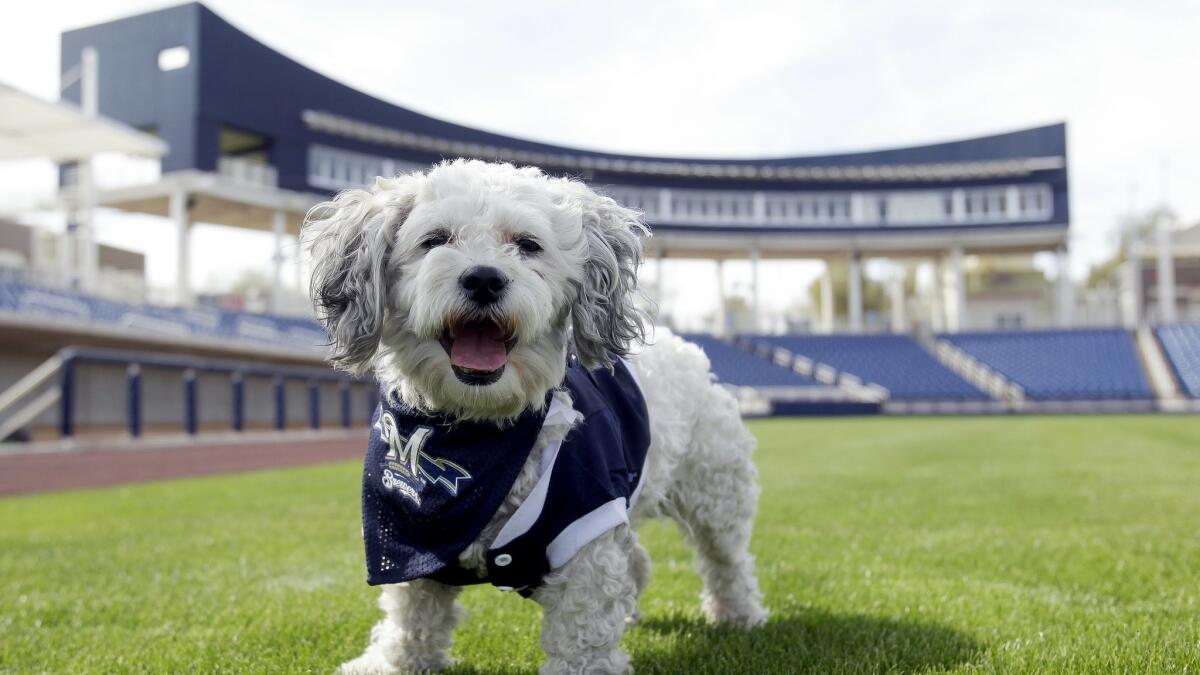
963	355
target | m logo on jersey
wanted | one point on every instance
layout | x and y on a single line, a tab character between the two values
407	469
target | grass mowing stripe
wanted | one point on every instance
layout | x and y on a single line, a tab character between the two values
1001	545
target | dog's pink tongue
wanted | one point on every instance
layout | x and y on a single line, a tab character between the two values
479	347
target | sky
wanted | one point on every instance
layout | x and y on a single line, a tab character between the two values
721	79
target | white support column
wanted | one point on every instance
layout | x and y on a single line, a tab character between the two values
88	251
89	81
826	287
896	288
664	205
87	255
1130	280
858	211
660	276
64	249
298	268
956	307
1131	289
958	205
279	230
183	269
760	207
1165	272
755	315
722	306
937	309
1012	203
1065	297
854	291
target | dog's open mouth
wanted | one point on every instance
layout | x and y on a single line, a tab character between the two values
478	350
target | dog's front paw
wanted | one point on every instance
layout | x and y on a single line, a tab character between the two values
375	662
613	663
741	613
367	664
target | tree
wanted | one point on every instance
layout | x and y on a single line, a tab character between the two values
251	282
1133	229
875	295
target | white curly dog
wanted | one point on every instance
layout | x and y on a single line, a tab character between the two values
396	281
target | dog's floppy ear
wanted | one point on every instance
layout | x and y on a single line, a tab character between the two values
349	241
605	318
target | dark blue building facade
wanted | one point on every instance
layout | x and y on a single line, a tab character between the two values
216	94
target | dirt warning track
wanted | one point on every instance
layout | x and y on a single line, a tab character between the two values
49	468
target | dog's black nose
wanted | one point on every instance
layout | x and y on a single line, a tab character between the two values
483	284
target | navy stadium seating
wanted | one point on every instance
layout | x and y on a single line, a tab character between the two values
738	367
38	302
1062	365
1181	344
896	362
1085	364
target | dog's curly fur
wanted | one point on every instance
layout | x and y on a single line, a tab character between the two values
386	268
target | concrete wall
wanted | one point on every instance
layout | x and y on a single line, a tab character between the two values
986	314
101	399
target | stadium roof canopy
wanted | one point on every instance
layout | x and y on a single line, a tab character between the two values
32	128
214	198
256	138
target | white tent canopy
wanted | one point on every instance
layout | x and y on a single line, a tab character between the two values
31	128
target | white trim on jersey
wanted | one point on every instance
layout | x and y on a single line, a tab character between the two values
637	490
583	531
527	513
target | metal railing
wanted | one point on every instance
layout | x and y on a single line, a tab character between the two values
247	171
974	371
22	390
848	384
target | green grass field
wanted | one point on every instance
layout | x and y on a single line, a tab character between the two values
1000	545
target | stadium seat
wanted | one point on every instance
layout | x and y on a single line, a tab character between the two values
738	367
29	300
1181	344
896	362
1062	365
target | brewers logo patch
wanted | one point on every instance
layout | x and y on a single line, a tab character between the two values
408	470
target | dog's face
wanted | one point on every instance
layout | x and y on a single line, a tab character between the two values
462	287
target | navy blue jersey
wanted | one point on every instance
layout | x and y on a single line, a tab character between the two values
431	485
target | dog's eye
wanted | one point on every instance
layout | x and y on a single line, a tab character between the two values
435	239
528	245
